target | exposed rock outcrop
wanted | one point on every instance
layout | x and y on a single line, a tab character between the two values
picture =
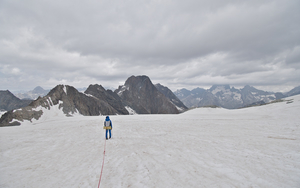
108	96
170	95
141	95
68	99
9	101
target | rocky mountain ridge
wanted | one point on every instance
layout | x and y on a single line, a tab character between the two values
138	95
169	94
108	96
66	98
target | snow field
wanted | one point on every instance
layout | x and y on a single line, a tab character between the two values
204	147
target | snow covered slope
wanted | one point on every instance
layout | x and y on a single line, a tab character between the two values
204	147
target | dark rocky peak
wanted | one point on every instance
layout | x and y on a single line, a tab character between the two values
9	101
142	96
95	90
108	96
8	94
139	83
135	86
64	93
171	96
75	101
137	80
59	90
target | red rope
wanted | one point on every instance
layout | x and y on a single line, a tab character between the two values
102	164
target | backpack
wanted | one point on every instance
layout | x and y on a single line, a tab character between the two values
107	123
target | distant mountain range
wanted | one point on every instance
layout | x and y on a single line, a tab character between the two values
37	92
34	94
137	95
229	97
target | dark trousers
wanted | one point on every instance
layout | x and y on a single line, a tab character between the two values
109	133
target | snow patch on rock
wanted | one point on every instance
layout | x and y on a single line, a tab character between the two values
130	110
65	89
218	89
2	112
124	88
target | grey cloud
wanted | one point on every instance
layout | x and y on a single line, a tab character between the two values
111	40
293	57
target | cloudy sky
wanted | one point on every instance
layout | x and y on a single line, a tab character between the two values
180	44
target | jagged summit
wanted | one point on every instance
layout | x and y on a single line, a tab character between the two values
108	96
138	81
139	94
64	98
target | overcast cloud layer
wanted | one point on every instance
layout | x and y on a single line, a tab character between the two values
180	44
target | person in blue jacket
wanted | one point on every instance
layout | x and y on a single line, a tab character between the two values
108	126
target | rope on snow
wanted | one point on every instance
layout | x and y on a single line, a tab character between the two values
102	163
